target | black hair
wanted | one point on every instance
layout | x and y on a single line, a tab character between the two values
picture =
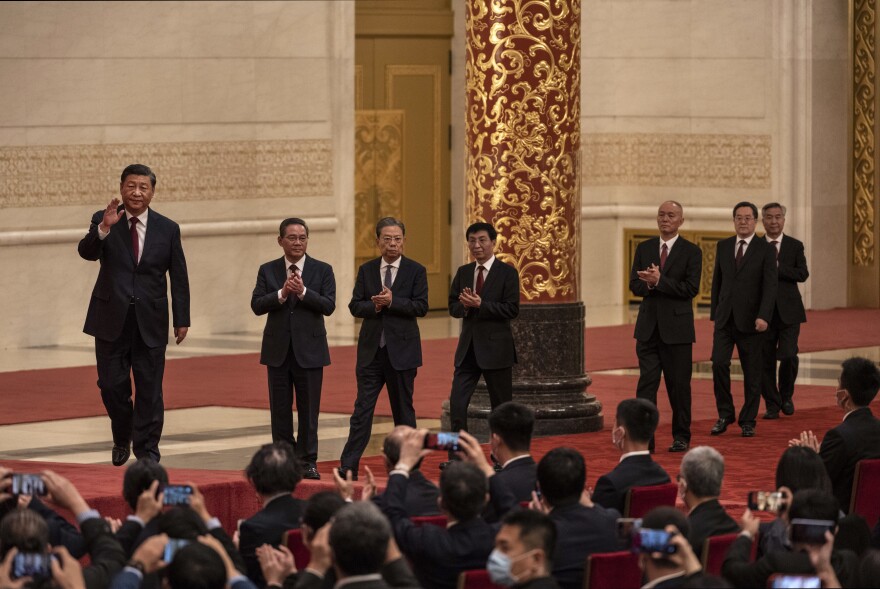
320	508
640	418
389	222
562	474
196	566
138	170
513	422
476	227
861	378
746	203
802	468
181	522
359	538
138	478
869	569
536	531
274	469
292	221
814	504
666	515
463	489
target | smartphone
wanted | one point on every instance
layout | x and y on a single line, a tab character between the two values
171	548
31	564
653	541
764	500
28	484
627	527
796	582
177	494
442	441
810	531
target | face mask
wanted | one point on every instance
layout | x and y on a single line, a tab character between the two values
499	565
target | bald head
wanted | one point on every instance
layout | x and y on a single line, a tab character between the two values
670	216
391	447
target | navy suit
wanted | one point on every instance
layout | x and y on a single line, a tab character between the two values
267	526
393	365
580	532
634	471
739	297
295	348
664	329
857	438
128	317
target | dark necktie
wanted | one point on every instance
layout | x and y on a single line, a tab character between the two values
479	287
388	281
135	242
739	253
664	252
775	247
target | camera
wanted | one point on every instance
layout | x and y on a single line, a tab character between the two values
28	484
810	531
177	494
442	441
171	548
31	564
653	541
795	582
765	500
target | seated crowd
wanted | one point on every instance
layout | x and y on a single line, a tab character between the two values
516	522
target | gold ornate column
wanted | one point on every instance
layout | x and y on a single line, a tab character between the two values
523	150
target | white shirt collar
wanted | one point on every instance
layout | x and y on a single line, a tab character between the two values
636	453
301	264
669	243
776	239
748	239
142	218
659	580
514	459
487	264
358	579
395	264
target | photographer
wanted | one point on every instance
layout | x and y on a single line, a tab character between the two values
663	569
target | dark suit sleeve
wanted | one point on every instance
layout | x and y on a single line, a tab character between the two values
306	580
361	304
456	309
264	299
179	282
415	305
398	574
833	454
106	553
716	282
323	302
128	534
61	531
501	497
231	550
407	534
507	305
637	286
688	288
798	272
742	573
769	285
605	494
91	245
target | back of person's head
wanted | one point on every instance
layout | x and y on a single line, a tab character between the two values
703	470
814	504
274	469
181	522
869	570
391	447
359	539
657	519
138	478
24	529
536	531
861	378
320	508
562	474
196	566
463	489
801	468
513	422
640	418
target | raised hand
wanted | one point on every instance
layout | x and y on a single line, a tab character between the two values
111	215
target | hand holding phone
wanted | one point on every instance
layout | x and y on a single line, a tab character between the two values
811	531
171	548
177	494
765	500
442	441
653	541
31	564
28	484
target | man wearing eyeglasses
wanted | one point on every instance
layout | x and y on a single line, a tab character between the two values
296	292
390	294
744	287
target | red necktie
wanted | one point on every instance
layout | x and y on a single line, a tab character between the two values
775	247
739	253
479	287
664	252
135	242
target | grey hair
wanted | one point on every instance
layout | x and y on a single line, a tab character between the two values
389	222
773	205
703	469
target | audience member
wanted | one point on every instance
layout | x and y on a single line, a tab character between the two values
858	437
869	570
274	472
582	527
523	549
699	485
142	490
633	431
510	438
669	570
421	494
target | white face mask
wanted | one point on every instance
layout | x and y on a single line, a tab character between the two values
500	568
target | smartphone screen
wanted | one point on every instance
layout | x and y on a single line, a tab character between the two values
654	541
171	548
28	484
177	494
31	564
810	531
442	441
796	582
764	500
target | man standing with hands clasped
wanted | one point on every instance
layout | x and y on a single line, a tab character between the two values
128	311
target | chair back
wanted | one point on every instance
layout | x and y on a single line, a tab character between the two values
476	579
641	500
294	541
714	551
613	570
866	488
430	520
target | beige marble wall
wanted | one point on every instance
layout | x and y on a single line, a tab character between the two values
244	109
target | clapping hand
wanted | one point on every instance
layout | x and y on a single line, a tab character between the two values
469	298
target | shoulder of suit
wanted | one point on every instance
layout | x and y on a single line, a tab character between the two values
793	240
317	262
154	216
404	261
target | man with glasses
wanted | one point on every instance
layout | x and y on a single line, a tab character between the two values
296	292
390	294
744	287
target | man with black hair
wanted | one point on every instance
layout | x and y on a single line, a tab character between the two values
523	552
699	486
421	494
128	312
665	571
858	437
295	292
274	471
141	488
582	527
510	438
634	427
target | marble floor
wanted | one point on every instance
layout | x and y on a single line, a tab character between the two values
225	438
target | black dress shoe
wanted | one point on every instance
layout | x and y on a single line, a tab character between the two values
748	431
343	472
678	446
120	455
770	415
720	427
788	408
311	473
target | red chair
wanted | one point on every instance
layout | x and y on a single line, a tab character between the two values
866	487
714	551
476	579
430	520
613	570
294	541
641	500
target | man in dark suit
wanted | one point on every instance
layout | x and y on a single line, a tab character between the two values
421	494
510	439
743	296
128	311
296	291
633	428
274	471
781	338
523	548
666	272
858	437
665	571
485	295
390	293
699	486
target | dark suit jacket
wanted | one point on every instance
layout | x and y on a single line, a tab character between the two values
395	574
709	519
634	471
738	570
488	327
107	556
267	526
857	438
61	532
300	322
119	279
409	300
421	496
519	478
792	269
581	531
748	293
668	306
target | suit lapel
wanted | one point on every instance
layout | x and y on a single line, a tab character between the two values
490	280
123	228
467	281
750	251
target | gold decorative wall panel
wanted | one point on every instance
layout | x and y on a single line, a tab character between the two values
643	159
523	138
863	132
46	176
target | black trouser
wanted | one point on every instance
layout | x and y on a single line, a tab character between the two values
675	361
283	380
370	379
749	347
780	343
139	423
